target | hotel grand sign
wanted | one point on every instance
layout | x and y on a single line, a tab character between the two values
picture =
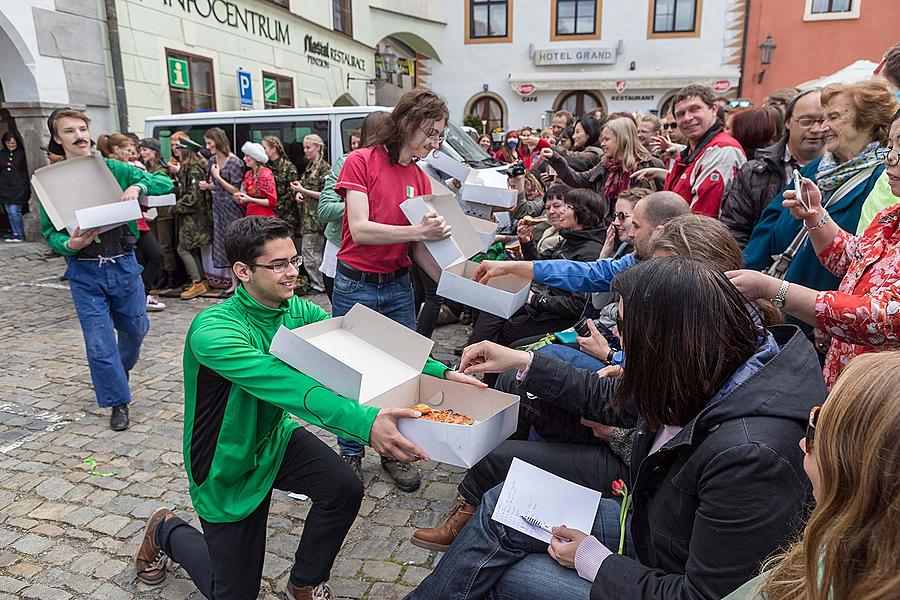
584	55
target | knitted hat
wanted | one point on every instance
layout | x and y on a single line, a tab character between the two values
255	151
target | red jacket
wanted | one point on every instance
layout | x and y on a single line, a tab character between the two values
701	177
261	186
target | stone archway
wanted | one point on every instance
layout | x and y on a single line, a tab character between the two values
19	82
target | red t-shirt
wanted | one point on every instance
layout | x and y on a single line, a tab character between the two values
388	185
261	186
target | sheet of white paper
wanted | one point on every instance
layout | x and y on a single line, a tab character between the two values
533	492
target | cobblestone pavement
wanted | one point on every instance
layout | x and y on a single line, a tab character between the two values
65	533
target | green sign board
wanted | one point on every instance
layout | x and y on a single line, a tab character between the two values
270	90
179	77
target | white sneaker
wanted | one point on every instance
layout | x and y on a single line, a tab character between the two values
154	305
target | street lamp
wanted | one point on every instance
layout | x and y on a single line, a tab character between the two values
766	51
389	61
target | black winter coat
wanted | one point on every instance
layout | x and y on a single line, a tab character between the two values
757	182
723	494
14	188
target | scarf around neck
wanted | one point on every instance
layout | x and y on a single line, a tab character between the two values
688	156
830	175
618	179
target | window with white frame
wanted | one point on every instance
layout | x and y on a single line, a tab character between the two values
831	10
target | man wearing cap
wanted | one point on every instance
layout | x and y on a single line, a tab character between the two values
104	275
163	226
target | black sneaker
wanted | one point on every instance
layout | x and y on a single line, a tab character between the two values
118	420
355	463
406	476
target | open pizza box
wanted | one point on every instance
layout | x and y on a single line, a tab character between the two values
484	186
82	192
369	358
503	296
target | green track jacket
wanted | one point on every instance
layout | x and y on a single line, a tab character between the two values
237	399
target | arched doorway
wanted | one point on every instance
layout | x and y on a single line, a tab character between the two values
578	102
489	109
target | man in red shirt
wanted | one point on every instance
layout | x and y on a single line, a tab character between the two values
712	158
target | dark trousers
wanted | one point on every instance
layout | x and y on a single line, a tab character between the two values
164	230
151	256
226	560
329	286
425	289
595	467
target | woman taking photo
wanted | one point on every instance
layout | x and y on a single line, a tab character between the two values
715	476
850	547
14	187
309	188
226	173
863	315
624	156
193	212
258	196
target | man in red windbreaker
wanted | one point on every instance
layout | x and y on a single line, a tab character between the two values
704	169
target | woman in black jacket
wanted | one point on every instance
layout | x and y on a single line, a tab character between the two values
14	189
582	234
716	473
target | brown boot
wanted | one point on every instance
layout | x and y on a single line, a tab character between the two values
150	560
308	592
440	538
197	288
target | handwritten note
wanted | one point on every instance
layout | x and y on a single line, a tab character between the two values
536	493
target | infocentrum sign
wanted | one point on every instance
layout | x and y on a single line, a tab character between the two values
229	13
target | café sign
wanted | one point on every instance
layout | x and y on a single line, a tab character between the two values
583	55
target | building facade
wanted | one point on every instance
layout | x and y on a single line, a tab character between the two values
510	62
814	38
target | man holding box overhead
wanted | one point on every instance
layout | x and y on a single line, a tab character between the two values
104	275
240	442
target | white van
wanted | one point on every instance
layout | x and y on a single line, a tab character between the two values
334	124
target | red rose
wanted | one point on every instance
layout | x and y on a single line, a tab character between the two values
618	487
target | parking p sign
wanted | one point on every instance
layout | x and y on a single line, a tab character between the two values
245	89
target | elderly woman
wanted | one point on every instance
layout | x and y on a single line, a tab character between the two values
863	315
309	188
258	196
856	122
624	155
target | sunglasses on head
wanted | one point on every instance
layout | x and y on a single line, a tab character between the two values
811	427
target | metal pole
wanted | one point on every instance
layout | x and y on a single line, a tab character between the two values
115	51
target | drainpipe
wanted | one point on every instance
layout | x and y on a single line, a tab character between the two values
115	51
740	93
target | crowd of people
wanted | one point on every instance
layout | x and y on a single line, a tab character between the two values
705	328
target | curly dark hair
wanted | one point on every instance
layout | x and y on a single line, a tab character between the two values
413	109
590	208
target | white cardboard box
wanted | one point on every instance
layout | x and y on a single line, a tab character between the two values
485	186
503	296
367	357
158	201
108	216
74	184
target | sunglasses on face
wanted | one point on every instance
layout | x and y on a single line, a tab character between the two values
893	157
739	104
670	125
811	427
621	215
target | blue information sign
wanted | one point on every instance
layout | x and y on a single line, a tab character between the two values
245	89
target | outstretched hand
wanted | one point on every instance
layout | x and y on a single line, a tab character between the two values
387	440
488	357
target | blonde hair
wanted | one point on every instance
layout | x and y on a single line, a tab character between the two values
850	545
873	104
313	138
630	150
274	141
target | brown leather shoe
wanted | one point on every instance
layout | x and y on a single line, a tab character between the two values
150	560
197	288
308	592
440	538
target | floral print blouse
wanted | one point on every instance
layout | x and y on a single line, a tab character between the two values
863	314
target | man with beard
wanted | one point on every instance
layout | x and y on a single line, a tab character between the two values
104	275
650	214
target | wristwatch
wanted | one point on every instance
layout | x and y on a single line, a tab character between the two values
778	300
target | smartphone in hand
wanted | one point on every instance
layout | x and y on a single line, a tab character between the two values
798	189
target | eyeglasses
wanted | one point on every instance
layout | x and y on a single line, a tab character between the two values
807	122
811	427
436	137
620	324
669	125
621	215
280	266
739	103
893	157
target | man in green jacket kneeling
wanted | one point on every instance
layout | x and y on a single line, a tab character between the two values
240	442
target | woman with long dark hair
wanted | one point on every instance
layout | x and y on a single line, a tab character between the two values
14	189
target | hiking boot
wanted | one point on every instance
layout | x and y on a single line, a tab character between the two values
440	538
406	476
197	288
308	592
118	420
153	304
355	463
150	560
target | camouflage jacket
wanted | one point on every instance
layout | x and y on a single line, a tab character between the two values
285	172
313	179
193	208
163	213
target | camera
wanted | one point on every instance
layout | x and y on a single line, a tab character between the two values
516	170
581	328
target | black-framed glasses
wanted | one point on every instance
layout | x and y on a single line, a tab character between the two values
620	215
669	125
811	427
807	122
279	267
436	137
893	157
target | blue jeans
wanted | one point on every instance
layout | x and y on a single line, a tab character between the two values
394	300
573	356
16	223
490	560
109	300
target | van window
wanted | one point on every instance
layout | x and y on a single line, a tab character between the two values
291	134
348	126
164	133
463	148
